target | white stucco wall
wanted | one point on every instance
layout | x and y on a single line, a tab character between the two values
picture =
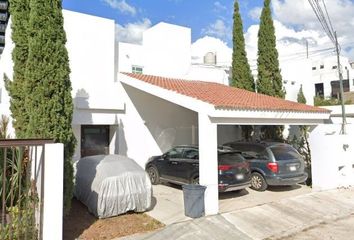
295	74
150	129
93	62
130	55
332	157
6	66
167	50
91	47
336	113
207	73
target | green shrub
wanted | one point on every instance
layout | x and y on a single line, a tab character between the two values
320	101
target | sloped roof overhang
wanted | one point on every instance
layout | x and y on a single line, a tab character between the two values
193	95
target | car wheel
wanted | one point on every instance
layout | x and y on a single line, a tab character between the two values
195	180
258	182
154	175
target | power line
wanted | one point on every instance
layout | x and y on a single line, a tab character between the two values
324	21
326	24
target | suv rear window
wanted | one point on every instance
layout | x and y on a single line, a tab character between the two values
284	152
230	158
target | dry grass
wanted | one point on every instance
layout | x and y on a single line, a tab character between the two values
80	224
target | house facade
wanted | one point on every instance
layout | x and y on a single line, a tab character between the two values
121	108
325	76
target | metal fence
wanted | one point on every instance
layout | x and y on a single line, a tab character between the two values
21	188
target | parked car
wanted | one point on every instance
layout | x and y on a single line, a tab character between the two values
180	165
110	185
271	163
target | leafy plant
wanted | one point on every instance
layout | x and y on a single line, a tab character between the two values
320	101
20	224
4	127
302	144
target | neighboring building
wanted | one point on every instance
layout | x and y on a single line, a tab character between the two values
325	76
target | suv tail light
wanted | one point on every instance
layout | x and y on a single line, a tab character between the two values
224	167
273	167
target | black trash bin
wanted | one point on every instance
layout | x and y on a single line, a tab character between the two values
193	195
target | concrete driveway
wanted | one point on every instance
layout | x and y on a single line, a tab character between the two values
169	208
315	215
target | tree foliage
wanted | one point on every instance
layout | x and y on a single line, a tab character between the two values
269	78
301	142
300	96
41	84
19	10
241	72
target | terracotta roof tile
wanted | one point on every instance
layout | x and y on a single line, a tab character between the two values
225	97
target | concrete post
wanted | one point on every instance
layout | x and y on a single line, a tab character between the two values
208	163
53	192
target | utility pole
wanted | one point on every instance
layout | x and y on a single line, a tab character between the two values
344	121
307	49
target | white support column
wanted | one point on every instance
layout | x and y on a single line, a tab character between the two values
53	191
208	163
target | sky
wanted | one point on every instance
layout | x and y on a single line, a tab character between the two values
211	23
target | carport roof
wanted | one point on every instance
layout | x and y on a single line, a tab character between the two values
225	97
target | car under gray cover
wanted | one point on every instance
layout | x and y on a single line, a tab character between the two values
111	185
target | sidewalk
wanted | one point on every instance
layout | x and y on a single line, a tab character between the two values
275	220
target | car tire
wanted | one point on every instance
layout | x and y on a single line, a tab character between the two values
153	175
195	180
258	182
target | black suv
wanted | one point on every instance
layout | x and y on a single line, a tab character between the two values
271	163
180	165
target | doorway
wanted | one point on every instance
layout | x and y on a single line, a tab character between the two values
94	140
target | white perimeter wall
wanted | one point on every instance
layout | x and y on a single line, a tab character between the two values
332	157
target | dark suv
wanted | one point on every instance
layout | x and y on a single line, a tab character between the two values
271	163
180	165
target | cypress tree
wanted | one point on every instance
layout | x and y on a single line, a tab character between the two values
300	96
19	10
49	104
269	78
241	72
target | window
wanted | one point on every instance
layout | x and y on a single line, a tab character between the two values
322	66
137	69
94	140
191	153
283	152
313	68
334	67
336	88
175	153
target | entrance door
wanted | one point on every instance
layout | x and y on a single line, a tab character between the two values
94	140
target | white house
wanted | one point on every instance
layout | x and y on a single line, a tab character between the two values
140	115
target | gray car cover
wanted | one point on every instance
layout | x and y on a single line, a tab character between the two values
110	185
